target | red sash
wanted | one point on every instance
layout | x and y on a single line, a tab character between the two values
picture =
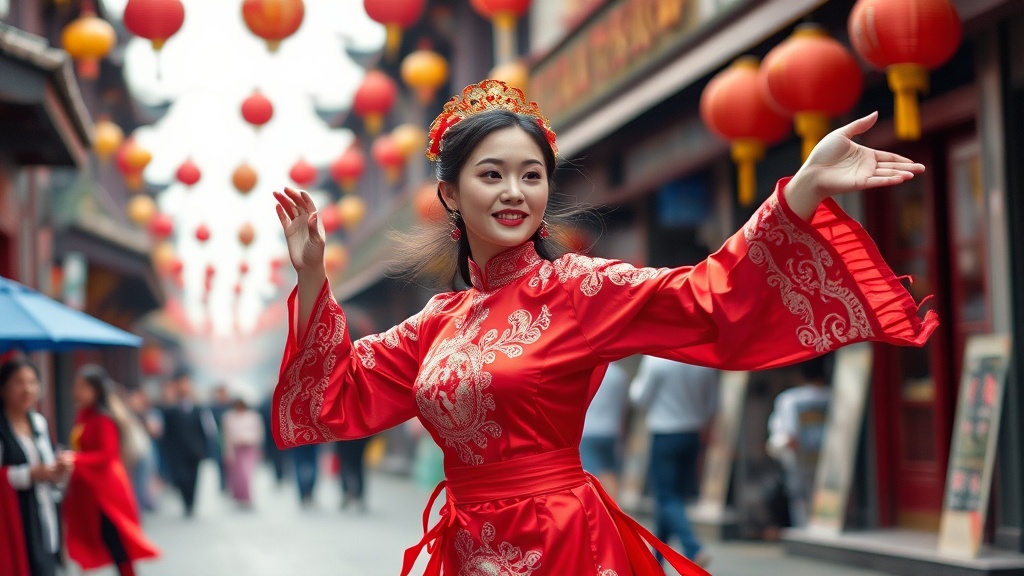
530	476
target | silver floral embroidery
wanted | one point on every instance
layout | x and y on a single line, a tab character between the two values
594	272
303	398
407	329
801	277
606	572
451	386
507	560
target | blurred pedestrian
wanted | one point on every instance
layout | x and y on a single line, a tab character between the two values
277	457
796	431
306	462
100	511
30	477
243	433
188	432
499	366
220	403
352	455
144	428
680	401
604	428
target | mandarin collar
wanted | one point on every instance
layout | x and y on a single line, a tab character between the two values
503	267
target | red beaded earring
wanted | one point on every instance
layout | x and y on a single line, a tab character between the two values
456	234
543	232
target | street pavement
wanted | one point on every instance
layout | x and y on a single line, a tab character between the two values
278	537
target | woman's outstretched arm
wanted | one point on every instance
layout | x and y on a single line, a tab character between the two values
304	232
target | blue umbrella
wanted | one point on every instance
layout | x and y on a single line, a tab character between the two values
31	321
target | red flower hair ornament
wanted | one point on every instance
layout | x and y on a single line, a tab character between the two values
477	98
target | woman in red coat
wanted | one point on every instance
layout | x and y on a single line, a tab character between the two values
100	510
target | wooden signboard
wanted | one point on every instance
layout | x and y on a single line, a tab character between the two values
718	458
973	453
850	380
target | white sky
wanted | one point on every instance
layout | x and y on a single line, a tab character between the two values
205	71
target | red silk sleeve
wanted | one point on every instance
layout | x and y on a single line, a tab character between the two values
331	388
781	290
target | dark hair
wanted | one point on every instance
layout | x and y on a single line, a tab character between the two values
99	380
428	252
816	369
7	370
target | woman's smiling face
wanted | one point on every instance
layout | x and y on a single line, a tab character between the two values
501	192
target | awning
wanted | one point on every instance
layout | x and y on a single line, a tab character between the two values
43	120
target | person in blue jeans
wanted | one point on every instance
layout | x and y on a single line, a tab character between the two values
305	460
604	429
679	400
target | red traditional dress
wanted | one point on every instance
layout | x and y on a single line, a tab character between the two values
99	484
501	375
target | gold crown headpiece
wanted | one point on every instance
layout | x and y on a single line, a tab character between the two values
477	98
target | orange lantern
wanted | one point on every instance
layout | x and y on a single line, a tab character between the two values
351	210
107	138
141	209
813	77
88	39
387	155
410	139
906	39
424	71
394	15
154	20
303	173
514	73
188	173
428	207
733	107
503	13
164	257
348	168
202	235
257	109
131	160
273	20
244	178
335	258
246	234
374	99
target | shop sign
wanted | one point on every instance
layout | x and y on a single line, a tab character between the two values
614	48
975	437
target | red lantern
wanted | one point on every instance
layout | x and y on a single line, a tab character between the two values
273	20
246	234
733	107
906	39
154	20
243	268
244	178
161	226
374	99
394	15
257	109
303	173
348	168
188	173
388	156
131	159
503	13
330	218
202	233
151	360
813	77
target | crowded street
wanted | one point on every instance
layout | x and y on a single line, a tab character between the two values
279	537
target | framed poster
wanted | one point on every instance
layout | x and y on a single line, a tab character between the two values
850	380
973	452
718	457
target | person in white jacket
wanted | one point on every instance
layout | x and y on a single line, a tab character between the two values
680	400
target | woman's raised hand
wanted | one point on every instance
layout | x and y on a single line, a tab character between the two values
302	228
837	164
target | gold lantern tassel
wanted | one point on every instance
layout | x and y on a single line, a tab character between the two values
746	152
373	123
906	81
504	37
393	41
812	127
